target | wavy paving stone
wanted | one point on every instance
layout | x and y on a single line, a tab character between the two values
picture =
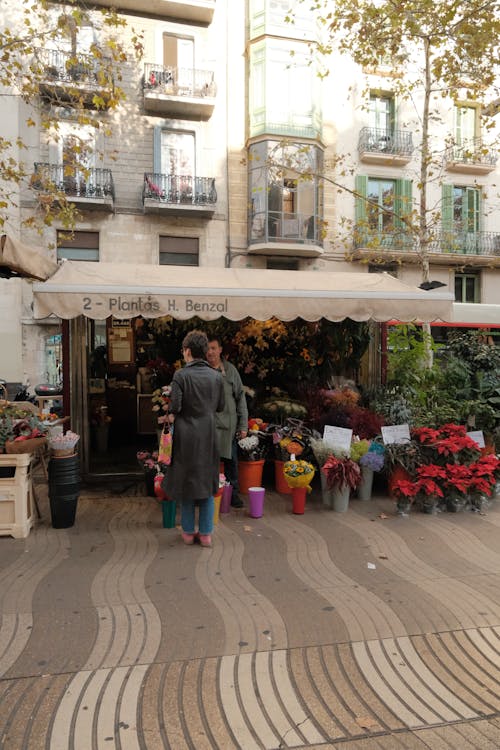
43	551
372	684
250	619
126	643
468	606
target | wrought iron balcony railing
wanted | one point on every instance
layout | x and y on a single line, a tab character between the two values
66	68
165	79
395	241
93	182
472	151
456	241
461	242
180	189
385	141
282	226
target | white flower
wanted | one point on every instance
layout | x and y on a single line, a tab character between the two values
248	443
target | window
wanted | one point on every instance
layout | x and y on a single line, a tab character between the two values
461	208
283	90
179	251
283	207
381	112
174	153
467	287
466	124
282	264
73	150
178	55
82	246
381	218
390	268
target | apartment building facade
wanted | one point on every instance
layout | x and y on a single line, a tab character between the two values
231	151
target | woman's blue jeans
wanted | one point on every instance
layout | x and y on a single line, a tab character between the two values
205	515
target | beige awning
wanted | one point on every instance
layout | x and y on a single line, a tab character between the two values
23	260
125	290
476	314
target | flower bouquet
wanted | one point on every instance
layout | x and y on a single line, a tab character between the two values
63	444
252	448
299	473
160	401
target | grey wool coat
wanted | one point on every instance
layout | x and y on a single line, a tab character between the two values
197	394
234	418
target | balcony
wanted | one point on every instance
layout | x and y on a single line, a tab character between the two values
179	195
461	242
287	234
455	242
370	240
189	11
66	77
471	157
179	92
91	189
385	147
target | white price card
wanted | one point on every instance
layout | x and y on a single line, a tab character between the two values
396	433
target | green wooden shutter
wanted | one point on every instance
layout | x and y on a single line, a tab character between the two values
157	150
403	204
472	203
361	187
447	208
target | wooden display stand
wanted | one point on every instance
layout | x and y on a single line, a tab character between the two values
17	506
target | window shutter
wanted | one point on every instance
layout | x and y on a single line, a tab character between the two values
473	203
157	150
403	201
447	208
361	187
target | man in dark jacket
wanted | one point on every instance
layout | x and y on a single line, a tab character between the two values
193	476
232	423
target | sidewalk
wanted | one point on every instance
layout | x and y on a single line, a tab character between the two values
357	631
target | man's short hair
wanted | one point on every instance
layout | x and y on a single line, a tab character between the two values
214	337
197	342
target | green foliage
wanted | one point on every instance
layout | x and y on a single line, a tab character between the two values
408	348
29	30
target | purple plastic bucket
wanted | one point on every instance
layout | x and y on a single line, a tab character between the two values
256	501
225	503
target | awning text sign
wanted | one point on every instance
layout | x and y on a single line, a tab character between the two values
95	306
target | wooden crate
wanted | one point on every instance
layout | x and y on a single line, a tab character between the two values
17	514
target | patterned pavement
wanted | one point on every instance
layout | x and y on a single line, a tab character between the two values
357	631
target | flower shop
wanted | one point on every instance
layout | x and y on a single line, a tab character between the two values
310	351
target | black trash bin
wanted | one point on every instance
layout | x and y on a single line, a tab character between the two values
64	490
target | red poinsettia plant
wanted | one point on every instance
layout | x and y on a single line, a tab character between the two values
447	443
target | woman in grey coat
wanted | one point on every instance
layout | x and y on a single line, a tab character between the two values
193	476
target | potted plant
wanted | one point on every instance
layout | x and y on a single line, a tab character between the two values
299	475
401	461
321	450
371	461
290	439
428	484
251	454
483	480
342	476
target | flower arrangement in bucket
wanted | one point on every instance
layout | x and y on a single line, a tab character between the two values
252	448
370	461
63	444
299	473
341	470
